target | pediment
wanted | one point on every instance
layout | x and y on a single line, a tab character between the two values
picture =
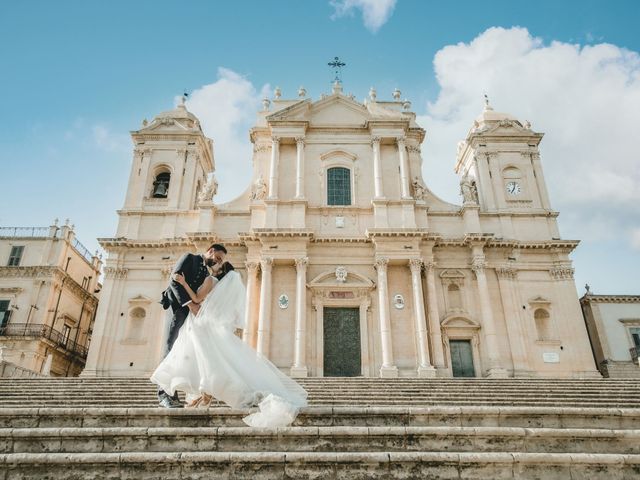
452	273
459	321
140	299
539	300
167	124
506	127
333	110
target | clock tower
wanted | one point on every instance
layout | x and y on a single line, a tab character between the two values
501	161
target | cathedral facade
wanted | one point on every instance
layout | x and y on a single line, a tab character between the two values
353	266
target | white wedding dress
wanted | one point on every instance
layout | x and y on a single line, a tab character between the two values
207	357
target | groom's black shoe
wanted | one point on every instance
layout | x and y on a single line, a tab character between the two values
167	402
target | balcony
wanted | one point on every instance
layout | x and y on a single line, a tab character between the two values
24	232
46	332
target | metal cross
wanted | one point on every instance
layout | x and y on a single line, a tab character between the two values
337	65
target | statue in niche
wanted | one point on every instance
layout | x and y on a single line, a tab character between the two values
259	189
210	190
418	189
468	190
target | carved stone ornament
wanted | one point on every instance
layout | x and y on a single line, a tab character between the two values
561	272
398	301
381	263
259	189
419	189
283	301
301	263
468	190
415	264
210	190
341	274
478	264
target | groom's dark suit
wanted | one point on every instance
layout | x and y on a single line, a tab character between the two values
175	296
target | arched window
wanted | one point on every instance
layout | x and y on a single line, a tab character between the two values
338	186
455	299
161	185
543	324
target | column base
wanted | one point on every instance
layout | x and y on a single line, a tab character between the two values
388	372
299	372
427	372
497	373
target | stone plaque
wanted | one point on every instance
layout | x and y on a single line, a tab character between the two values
550	357
342	342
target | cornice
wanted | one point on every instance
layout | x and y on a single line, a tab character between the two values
590	298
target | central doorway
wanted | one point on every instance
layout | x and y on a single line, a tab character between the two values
462	358
341	333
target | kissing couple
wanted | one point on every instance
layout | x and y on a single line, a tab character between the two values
206	358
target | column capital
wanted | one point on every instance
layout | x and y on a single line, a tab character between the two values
275	139
506	271
375	141
478	264
301	263
266	263
430	265
300	140
381	263
252	267
415	264
400	140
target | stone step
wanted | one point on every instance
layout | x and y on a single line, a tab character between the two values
281	465
315	439
435	416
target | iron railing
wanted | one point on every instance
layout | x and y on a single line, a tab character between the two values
82	250
36	232
43	331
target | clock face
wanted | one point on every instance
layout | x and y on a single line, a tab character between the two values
513	188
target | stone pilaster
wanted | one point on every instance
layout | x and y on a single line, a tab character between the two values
249	333
299	167
299	368
388	368
264	316
434	318
425	369
273	168
377	168
404	168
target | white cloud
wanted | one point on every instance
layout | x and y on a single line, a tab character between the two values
375	13
106	140
585	98
226	110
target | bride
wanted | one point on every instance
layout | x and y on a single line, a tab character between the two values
208	359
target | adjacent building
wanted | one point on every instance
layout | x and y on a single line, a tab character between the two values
48	298
353	266
613	323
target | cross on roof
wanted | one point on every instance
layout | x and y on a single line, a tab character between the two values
337	65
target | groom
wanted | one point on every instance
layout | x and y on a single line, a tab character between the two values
194	269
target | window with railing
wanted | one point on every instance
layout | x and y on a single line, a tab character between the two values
5	313
45	331
16	255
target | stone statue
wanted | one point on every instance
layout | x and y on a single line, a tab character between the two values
418	189
468	190
259	189
210	190
341	274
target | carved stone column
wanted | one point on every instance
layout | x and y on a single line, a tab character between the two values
425	369
388	369
437	355
507	281
488	323
264	317
299	167
273	167
249	333
377	167
299	368
404	168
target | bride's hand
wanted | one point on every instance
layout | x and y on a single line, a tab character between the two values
178	277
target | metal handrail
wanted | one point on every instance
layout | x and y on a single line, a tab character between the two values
24	231
82	250
43	331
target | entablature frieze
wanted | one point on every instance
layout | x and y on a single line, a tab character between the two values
591	298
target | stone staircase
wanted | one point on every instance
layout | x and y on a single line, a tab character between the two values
76	428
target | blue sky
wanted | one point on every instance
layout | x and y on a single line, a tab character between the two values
78	76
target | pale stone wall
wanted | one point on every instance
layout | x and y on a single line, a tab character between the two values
500	249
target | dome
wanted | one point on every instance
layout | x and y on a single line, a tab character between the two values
178	113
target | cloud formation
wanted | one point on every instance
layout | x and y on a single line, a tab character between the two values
375	13
227	110
585	98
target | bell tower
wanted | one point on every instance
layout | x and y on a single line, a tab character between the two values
171	164
499	165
